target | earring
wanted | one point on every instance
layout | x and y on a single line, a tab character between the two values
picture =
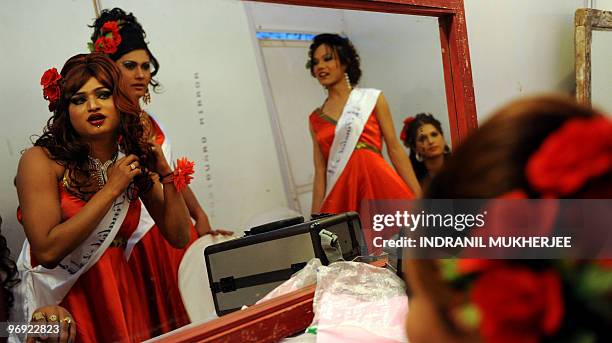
419	157
147	97
348	81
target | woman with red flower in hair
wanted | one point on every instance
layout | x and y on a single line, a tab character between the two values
121	36
80	190
543	147
422	134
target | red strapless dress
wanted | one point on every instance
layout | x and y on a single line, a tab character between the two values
366	176
158	262
107	301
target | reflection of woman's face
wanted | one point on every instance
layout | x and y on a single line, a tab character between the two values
136	69
92	110
429	141
326	66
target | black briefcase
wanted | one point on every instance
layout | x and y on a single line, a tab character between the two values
242	271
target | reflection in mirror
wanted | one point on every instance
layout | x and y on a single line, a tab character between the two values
400	55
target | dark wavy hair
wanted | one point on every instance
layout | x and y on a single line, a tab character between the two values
8	273
343	48
64	144
411	131
128	22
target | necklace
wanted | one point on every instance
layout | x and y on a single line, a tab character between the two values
100	170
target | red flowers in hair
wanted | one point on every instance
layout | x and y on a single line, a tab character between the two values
518	304
407	122
182	174
109	38
51	88
580	150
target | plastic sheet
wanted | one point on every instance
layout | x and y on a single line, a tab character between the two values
305	277
353	302
359	300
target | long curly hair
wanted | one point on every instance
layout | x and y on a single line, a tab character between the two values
63	142
342	46
8	273
128	22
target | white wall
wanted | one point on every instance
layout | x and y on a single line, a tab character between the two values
35	36
401	55
520	47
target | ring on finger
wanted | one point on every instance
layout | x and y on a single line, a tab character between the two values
132	166
67	320
39	316
53	318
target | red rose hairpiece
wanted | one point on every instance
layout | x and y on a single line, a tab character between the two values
109	39
580	150
51	87
182	174
407	122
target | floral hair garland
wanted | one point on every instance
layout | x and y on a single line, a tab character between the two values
577	152
50	81
513	302
407	122
109	39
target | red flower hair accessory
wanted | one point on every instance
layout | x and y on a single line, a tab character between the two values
51	87
580	150
109	38
407	122
532	308
182	174
508	302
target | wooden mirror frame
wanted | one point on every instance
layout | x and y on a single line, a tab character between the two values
585	20
292	313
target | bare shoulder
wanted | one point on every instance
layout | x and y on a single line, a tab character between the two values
38	161
381	99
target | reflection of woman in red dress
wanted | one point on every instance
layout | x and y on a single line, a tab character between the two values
345	177
80	190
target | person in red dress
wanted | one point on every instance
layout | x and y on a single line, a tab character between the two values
423	135
345	177
80	188
121	36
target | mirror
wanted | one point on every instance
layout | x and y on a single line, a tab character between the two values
400	54
593	45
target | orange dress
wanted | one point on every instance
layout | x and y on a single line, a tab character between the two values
107	301
158	262
366	176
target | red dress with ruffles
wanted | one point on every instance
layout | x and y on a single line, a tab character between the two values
158	262
366	176
107	301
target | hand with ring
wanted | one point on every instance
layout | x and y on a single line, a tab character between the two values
54	315
121	173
